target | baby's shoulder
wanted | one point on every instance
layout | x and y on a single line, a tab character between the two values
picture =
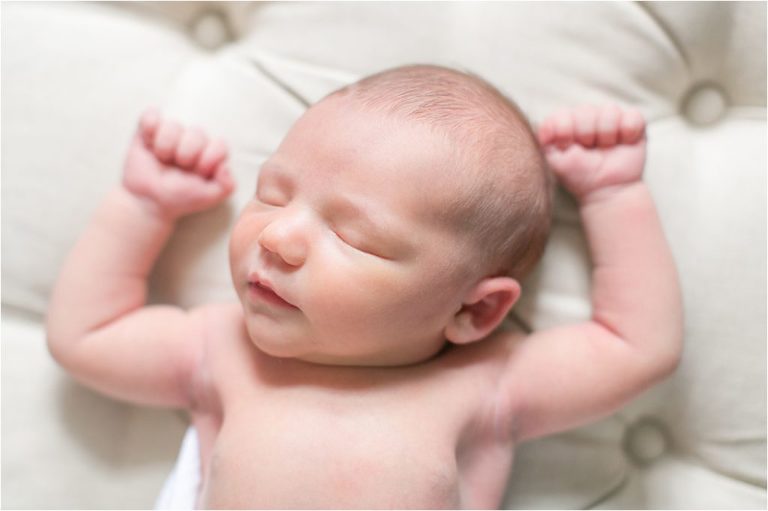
221	327
218	314
489	353
476	369
217	321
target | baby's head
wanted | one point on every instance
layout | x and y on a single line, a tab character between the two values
398	212
501	187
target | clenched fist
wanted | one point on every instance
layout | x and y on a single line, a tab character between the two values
176	170
594	148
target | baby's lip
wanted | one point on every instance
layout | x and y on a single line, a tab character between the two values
265	290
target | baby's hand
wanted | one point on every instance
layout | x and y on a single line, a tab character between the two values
593	148
176	170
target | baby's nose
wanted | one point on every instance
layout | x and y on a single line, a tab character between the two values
286	238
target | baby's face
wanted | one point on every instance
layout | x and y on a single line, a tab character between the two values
345	228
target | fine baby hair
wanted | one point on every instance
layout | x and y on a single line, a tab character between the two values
505	204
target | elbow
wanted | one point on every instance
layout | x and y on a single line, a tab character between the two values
662	363
61	343
672	345
665	352
65	351
669	363
57	346
672	356
53	338
658	353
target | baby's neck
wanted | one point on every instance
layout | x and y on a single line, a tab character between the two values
424	353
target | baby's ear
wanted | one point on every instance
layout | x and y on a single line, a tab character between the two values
484	307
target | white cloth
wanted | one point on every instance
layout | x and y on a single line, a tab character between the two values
183	483
697	70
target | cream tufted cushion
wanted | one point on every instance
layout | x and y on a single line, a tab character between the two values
75	77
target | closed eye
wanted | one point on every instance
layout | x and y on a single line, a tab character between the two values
270	199
357	247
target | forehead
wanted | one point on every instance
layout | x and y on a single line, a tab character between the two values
339	147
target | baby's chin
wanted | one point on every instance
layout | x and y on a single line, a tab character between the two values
280	339
297	350
280	348
270	337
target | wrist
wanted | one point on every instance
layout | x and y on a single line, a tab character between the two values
146	205
609	192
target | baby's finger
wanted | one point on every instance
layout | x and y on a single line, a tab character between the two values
563	126
223	176
191	146
213	191
214	154
546	132
585	125
166	140
632	126
608	119
148	124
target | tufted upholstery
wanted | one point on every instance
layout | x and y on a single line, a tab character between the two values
75	77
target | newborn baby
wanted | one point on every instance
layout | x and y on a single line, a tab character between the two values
366	364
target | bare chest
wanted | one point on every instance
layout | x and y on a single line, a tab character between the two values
302	451
292	435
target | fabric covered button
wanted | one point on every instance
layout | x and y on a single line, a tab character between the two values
704	104
645	440
211	30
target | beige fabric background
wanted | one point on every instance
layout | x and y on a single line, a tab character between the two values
76	75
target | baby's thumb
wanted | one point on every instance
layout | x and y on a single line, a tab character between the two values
148	124
217	188
223	177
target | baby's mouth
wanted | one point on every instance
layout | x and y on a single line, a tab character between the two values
262	292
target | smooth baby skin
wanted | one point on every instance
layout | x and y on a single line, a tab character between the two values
339	393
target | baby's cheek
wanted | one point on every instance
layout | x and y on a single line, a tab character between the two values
360	294
244	234
237	248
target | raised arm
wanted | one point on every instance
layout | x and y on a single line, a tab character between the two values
99	327
564	377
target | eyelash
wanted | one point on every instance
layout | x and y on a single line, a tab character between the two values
273	203
347	243
339	236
